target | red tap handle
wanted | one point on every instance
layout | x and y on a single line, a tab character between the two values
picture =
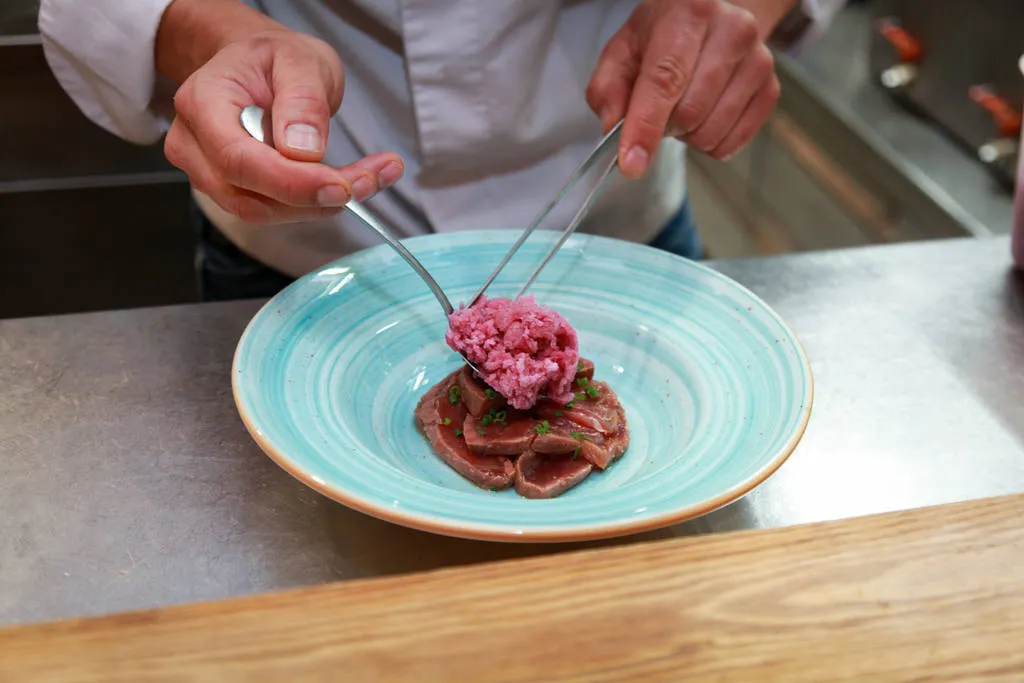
1006	118
907	47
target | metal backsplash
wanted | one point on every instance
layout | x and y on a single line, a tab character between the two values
18	17
959	46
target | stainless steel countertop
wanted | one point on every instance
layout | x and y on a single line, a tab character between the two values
127	480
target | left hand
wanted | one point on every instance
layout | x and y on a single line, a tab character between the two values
698	70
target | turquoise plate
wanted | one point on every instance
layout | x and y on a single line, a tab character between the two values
716	388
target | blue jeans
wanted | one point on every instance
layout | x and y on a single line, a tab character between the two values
225	272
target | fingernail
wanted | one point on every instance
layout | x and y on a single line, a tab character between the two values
304	137
363	188
635	161
390	174
332	195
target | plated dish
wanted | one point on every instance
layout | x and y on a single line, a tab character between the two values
541	450
714	387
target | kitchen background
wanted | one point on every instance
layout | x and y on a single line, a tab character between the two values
901	123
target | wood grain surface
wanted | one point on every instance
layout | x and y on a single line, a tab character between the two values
934	594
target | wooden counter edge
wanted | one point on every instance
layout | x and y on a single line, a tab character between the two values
936	591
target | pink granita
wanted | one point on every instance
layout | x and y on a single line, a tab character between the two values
522	349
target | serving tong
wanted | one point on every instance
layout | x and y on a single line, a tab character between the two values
257	123
609	141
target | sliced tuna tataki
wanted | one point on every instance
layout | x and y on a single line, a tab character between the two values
478	397
544	476
509	438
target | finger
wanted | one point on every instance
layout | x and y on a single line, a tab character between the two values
184	151
668	63
754	116
730	39
612	81
749	79
372	174
305	97
262	170
252	165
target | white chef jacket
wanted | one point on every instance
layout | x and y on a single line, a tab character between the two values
483	100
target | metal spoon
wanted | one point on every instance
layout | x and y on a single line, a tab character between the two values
257	123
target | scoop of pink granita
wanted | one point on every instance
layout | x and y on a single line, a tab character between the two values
522	349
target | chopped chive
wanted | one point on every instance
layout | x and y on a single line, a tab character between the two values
454	394
487	419
570	405
447	421
582	381
490	393
481	431
576	453
579	366
458	432
501	416
592	392
581	396
543	428
558	413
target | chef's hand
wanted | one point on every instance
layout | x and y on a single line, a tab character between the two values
300	80
698	70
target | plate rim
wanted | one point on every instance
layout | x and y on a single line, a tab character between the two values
554	534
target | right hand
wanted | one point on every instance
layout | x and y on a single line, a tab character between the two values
300	80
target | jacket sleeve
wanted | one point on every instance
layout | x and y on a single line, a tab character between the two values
101	53
805	24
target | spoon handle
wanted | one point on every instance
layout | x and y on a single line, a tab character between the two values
374	224
256	122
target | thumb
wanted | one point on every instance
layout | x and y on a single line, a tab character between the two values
304	100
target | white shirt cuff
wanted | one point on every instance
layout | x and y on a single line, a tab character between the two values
101	52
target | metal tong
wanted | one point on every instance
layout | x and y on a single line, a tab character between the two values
609	141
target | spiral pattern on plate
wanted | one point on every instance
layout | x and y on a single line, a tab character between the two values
716	388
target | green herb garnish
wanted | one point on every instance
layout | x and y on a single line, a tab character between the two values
570	405
558	413
454	394
458	432
481	431
582	381
592	392
446	421
487	420
490	393
543	428
579	366
500	416
579	436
